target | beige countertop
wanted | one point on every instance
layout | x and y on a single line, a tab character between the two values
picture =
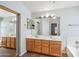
8	36
43	38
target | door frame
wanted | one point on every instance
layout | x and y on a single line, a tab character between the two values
17	27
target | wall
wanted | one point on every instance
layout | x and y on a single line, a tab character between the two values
67	16
0	25
25	13
45	26
33	32
8	28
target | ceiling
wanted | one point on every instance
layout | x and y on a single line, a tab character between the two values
37	6
4	13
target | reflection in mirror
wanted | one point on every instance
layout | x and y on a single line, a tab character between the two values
38	28
46	26
55	26
30	24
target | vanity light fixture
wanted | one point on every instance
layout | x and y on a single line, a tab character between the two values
54	17
47	15
42	16
39	17
36	17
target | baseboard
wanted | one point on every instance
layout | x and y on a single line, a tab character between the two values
17	55
22	53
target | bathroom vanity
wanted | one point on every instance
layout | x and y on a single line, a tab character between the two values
45	36
47	46
9	42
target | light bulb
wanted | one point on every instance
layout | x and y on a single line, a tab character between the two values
47	15
42	16
52	15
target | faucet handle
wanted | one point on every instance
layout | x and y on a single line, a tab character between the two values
77	42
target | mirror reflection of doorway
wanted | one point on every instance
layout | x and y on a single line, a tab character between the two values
38	28
8	34
53	26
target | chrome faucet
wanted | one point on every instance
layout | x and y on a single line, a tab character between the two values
77	44
36	35
50	36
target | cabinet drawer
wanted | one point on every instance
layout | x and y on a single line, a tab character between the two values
30	45
37	49
37	42
30	48
12	43
29	40
56	47
45	43
45	50
55	42
55	50
8	42
4	41
15	42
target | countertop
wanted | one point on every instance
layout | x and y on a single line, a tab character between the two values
45	38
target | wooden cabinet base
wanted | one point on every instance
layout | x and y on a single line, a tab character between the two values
37	49
47	47
42	54
45	50
55	48
9	42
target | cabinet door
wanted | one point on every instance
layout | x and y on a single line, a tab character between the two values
45	43
8	42
4	42
37	42
45	47
30	45
55	50
0	42
37	48
12	42
45	50
15	42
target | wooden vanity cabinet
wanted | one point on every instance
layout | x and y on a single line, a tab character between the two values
37	46
8	42
30	44
12	42
15	42
55	48
48	47
45	46
4	41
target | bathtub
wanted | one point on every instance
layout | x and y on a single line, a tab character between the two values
72	50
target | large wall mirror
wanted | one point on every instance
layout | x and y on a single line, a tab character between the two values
46	26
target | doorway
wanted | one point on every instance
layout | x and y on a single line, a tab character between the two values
53	26
9	32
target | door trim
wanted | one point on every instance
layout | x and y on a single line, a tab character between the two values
17	27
